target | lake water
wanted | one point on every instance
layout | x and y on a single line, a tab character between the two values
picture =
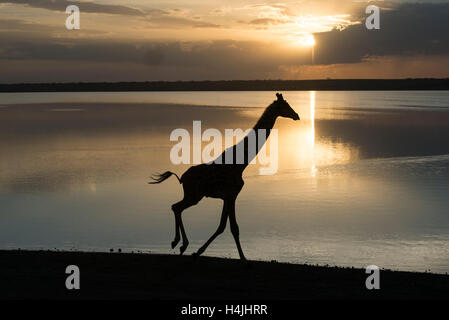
363	178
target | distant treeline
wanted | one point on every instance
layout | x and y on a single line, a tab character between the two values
234	85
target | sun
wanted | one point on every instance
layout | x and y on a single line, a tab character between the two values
307	40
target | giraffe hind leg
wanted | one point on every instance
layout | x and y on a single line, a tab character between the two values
178	208
175	241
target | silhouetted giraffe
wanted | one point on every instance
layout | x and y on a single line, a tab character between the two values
222	181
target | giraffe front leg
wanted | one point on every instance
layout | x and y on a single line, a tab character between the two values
175	242
235	231
185	241
221	228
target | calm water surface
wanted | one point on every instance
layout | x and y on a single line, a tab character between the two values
363	178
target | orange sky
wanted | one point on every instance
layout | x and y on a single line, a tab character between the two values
138	40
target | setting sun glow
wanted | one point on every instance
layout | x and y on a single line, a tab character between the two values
307	40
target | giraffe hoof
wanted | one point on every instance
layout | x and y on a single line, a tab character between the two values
174	243
182	248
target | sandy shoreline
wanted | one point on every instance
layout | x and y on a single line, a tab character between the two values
41	275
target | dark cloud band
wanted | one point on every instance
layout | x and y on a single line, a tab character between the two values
61	5
420	28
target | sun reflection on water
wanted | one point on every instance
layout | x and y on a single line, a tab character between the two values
312	119
311	150
312	131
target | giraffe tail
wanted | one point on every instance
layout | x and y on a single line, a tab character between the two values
158	178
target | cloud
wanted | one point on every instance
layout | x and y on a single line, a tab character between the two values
169	21
268	21
157	18
61	5
173	18
278	9
410	29
14	25
91	59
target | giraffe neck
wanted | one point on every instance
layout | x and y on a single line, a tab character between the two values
262	129
266	121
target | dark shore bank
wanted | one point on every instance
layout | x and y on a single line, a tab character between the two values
41	275
233	85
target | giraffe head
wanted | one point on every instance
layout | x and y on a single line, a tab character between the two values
283	109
